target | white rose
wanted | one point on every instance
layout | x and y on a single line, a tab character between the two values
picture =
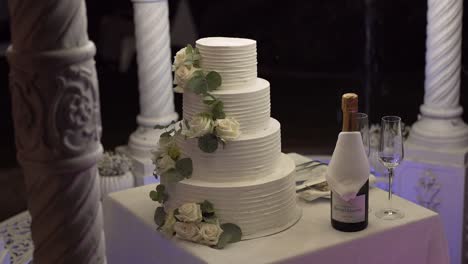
168	228
187	231
183	74
210	233
190	212
200	125
179	58
165	163
227	129
178	89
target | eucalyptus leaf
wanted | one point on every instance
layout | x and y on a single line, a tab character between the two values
186	122
210	219
205	115
198	85
198	73
233	230
153	195
214	80
160	188
209	101
208	143
159	127
224	239
164	197
189	49
185	167
166	134
159	216
207	207
218	110
173	175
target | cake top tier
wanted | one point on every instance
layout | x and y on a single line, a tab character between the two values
222	42
235	59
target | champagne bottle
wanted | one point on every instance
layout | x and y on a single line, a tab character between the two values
352	215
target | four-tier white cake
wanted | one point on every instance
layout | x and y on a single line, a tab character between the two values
249	181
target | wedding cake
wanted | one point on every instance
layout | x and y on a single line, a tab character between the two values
248	180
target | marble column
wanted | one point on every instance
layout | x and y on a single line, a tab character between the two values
440	123
154	74
155	83
56	114
436	152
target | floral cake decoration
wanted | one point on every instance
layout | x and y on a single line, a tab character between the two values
196	222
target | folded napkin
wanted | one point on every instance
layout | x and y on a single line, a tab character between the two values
349	167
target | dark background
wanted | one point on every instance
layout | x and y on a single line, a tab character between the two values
310	51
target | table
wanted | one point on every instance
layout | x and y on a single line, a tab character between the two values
131	237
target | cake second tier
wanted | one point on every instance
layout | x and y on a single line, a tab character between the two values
249	106
247	158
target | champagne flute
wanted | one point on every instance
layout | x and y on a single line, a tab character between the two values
362	123
390	155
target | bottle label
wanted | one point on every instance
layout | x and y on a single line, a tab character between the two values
352	211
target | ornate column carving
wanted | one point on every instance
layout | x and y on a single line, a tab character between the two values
154	74
57	122
440	124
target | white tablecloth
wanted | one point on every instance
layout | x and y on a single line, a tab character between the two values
131	237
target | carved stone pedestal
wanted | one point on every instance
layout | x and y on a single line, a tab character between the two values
435	179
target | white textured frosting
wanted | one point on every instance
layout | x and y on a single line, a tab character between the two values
259	207
250	106
249	157
235	59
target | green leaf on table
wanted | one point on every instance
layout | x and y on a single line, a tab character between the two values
159	216
185	167
224	239
198	85
207	207
213	80
233	230
208	143
218	110
153	195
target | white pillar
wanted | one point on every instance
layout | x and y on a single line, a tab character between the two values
436	153
154	73
440	123
55	101
155	82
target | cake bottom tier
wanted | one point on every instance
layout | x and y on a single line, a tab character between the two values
260	207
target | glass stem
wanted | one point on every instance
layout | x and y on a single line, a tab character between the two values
390	184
